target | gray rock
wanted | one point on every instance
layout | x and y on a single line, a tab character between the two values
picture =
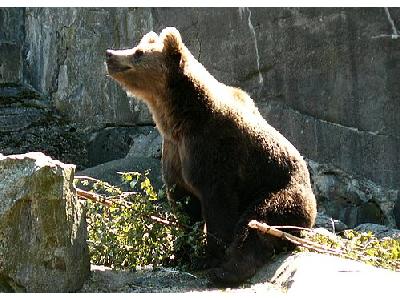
29	123
380	231
110	143
349	199
113	143
147	145
109	170
12	22
42	226
396	211
312	275
141	110
326	78
19	118
105	280
324	221
307	275
327	72
10	62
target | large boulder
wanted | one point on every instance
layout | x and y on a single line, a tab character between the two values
42	226
113	143
312	275
125	150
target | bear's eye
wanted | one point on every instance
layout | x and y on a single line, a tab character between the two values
138	53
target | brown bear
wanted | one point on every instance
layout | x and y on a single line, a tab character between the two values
218	149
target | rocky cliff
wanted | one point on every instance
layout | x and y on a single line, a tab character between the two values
327	78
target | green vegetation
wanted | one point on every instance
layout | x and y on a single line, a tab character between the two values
127	230
360	246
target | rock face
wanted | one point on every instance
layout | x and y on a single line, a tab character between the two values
42	226
352	200
11	42
10	63
326	78
116	149
29	123
329	73
113	143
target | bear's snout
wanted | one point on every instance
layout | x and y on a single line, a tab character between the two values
109	54
116	62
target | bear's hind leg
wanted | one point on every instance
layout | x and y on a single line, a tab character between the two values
250	249
245	256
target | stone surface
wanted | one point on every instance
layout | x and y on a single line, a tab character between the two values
380	231
125	149
324	77
21	107
76	80
113	143
28	122
109	171
12	23
298	276
312	275
324	221
42	226
147	144
327	72
11	41
351	200
10	63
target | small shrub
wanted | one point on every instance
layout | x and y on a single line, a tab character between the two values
361	246
139	228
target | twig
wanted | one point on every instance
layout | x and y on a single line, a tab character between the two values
93	196
292	227
267	229
84	177
168	223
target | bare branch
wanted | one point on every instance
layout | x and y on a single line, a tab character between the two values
93	196
272	230
83	177
293	227
166	222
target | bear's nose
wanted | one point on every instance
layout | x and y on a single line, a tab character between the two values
109	53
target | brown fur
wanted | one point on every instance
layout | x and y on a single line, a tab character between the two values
218	149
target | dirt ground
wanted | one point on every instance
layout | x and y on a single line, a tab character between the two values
166	280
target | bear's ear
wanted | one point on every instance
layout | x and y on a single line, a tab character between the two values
150	37
172	41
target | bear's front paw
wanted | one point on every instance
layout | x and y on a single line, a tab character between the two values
221	277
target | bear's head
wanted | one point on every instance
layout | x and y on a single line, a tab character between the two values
143	70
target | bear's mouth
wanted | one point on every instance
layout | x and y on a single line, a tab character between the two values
115	63
114	68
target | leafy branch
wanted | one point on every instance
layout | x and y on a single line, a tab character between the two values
354	245
137	228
